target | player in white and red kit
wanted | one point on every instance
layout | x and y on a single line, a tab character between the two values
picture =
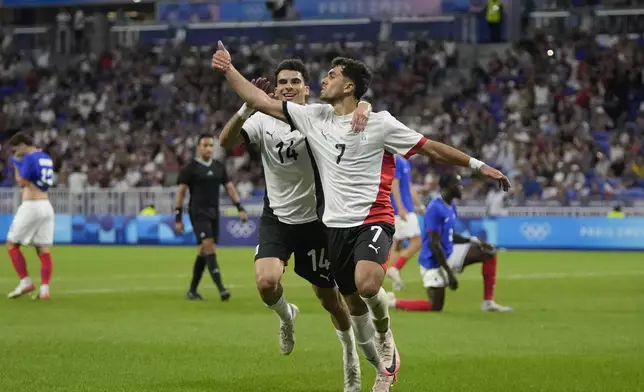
289	225
33	223
356	170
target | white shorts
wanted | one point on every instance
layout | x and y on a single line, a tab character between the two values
33	224
407	228
437	277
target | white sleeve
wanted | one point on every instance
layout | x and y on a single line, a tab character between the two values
252	129
301	117
401	140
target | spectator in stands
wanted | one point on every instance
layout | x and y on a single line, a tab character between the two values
556	114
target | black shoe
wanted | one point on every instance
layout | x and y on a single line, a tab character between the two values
193	296
225	295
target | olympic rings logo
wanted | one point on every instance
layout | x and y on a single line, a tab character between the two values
535	231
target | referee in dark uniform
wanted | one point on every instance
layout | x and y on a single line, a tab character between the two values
203	176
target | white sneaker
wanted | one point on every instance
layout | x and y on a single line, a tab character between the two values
352	376
287	332
491	306
394	274
383	383
43	292
388	353
25	286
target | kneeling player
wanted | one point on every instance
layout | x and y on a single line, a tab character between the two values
34	220
445	254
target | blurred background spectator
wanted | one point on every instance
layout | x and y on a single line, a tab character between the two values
563	114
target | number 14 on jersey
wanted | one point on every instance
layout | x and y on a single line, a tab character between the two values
321	263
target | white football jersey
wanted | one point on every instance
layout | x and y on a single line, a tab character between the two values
290	182
356	169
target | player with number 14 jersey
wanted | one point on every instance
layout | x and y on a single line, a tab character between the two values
33	223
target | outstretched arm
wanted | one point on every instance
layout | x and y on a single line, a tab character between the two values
250	94
402	140
442	153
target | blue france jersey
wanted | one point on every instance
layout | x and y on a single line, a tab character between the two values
442	218
403	175
38	168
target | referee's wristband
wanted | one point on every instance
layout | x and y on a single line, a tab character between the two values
240	208
178	214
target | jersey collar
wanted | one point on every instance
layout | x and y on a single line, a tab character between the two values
205	163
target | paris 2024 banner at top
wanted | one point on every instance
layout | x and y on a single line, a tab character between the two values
256	10
249	10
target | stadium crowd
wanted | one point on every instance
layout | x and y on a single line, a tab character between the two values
563	117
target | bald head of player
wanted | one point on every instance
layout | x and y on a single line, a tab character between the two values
21	144
348	80
205	147
451	187
291	81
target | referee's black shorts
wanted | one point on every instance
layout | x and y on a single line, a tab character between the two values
205	226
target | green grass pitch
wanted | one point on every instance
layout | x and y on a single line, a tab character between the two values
117	321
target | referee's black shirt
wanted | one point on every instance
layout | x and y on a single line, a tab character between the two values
204	180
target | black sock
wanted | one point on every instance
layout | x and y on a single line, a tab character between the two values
197	272
213	268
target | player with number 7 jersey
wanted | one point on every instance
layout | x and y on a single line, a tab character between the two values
33	223
356	171
289	225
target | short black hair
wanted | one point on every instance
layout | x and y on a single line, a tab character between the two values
21	138
357	72
293	65
447	179
204	136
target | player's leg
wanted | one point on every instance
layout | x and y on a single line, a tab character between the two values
488	258
21	231
410	230
199	228
208	229
312	263
332	301
271	256
343	268
210	256
434	283
46	269
371	253
43	240
197	273
392	272
413	246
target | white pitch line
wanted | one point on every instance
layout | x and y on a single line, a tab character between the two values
536	276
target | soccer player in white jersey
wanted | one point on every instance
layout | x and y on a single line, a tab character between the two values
33	223
356	171
289	224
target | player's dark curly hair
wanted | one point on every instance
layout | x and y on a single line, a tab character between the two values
357	72
204	136
293	65
447	179
21	138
